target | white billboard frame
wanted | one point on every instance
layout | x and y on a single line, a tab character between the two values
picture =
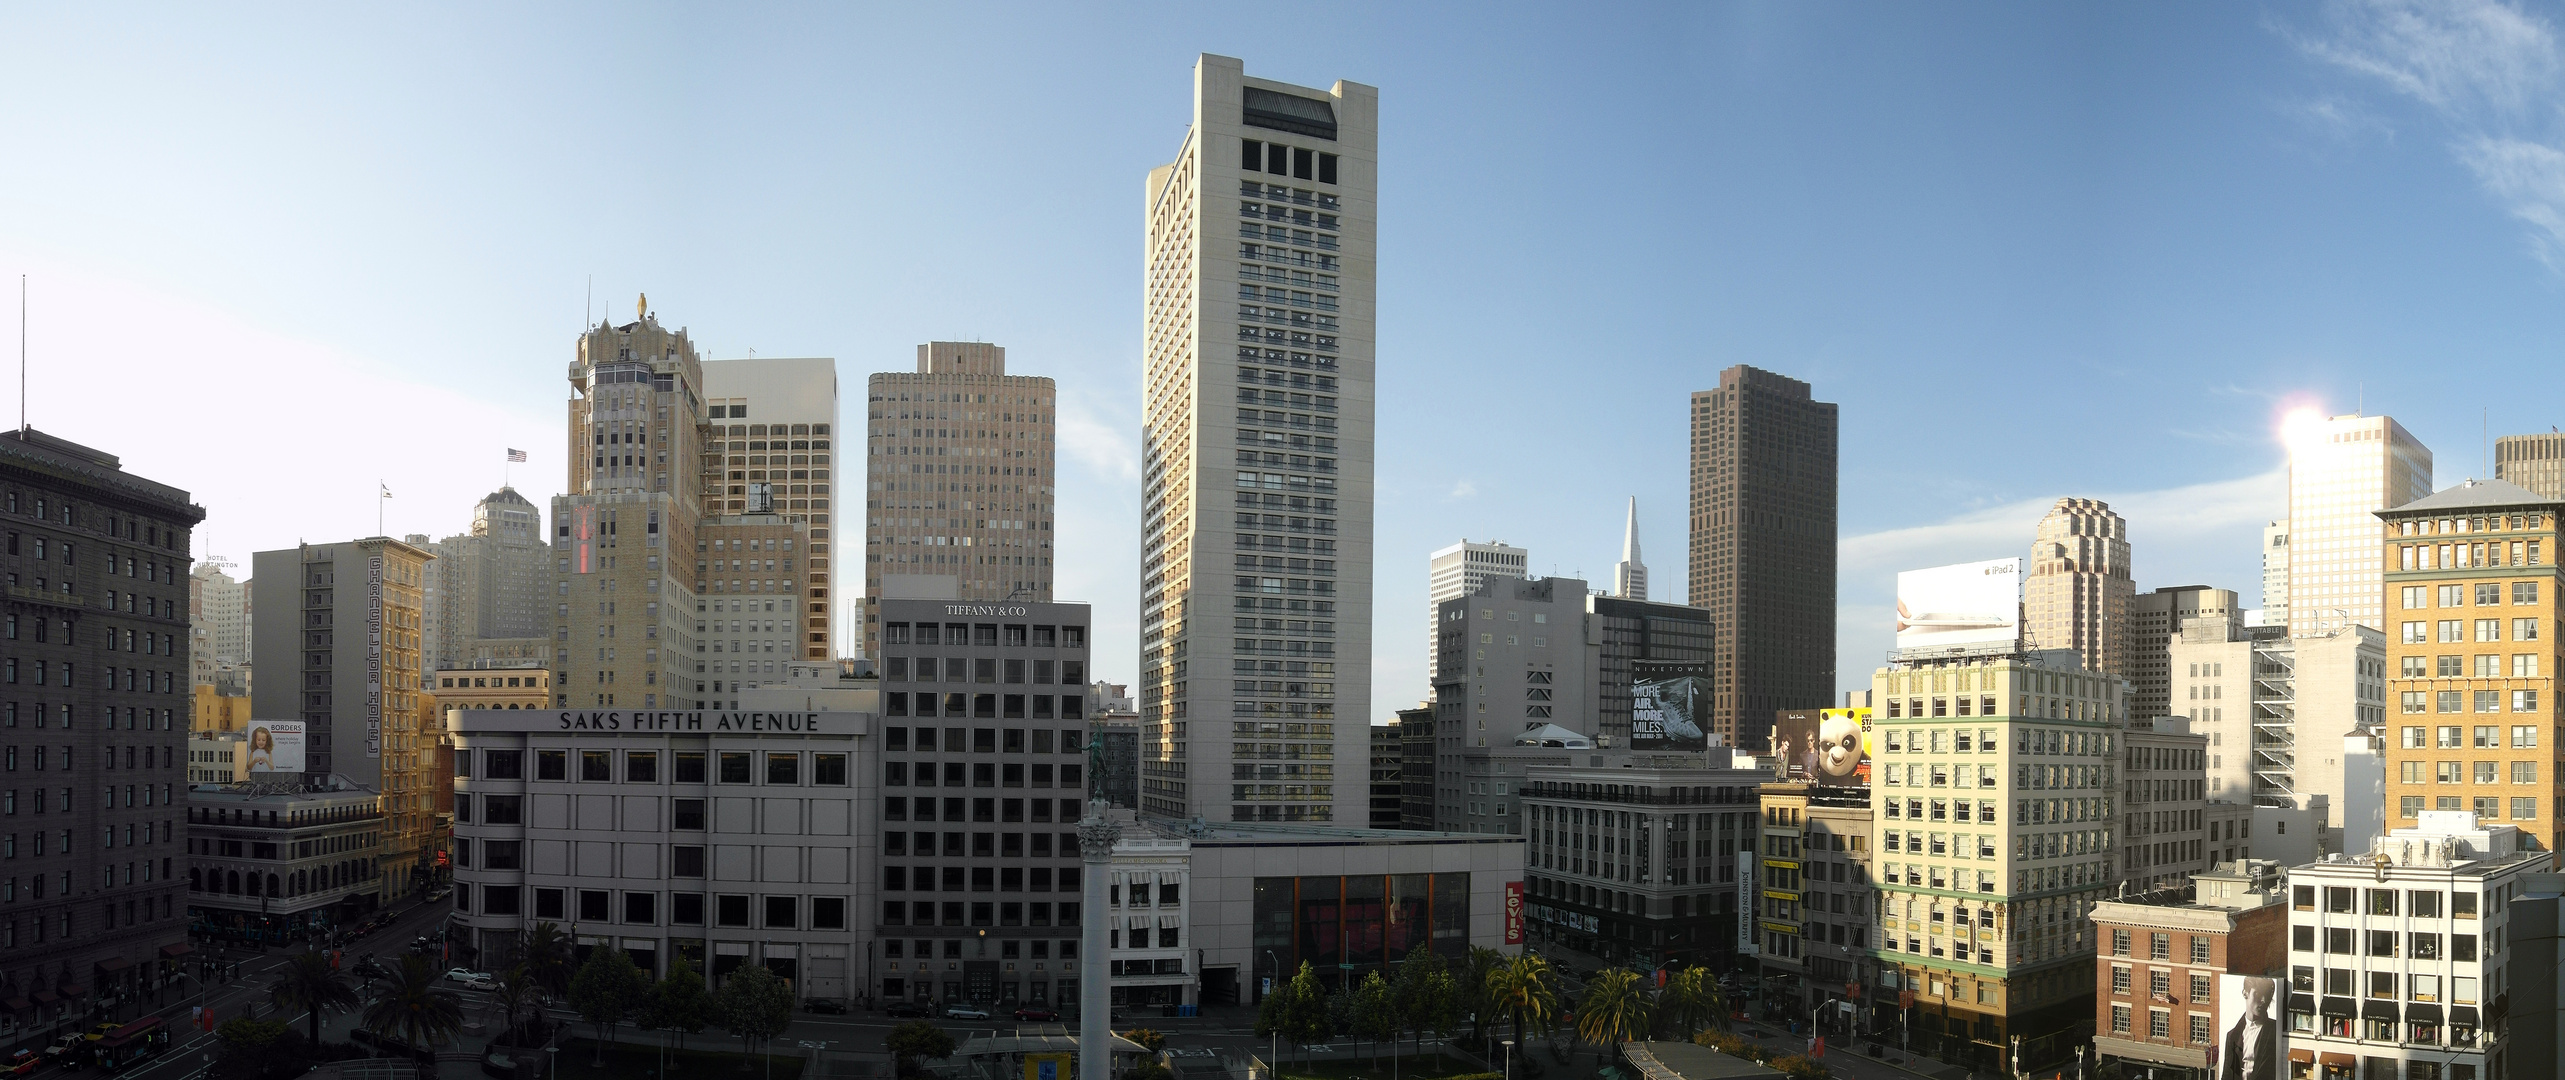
1961	608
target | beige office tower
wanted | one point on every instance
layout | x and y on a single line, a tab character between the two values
2162	617
1256	454
2535	462
2275	574
624	621
959	479
2342	471
218	615
764	558
1456	571
2079	590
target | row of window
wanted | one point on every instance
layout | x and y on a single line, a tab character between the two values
642	766
2484	594
2457	701
984	706
959	669
2453	666
2457	772
982	774
1013	879
2466	556
897	808
644	908
2340	982
2159	1024
2487	808
1014	635
2417	632
982	913
33	673
1009	949
2389	944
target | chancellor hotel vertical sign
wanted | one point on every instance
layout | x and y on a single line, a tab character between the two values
374	657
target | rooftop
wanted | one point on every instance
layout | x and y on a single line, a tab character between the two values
2472	495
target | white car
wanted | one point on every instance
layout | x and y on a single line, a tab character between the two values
481	982
466	975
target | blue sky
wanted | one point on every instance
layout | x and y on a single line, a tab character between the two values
2033	250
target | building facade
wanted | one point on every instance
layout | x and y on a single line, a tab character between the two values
2275	574
1388	770
2156	995
347	662
273	866
754	629
1763	546
2534	462
2342	471
96	683
1813	919
2164	805
725	839
2472	586
959	476
1997	818
2396	959
1458	571
2158	619
1644	859
2290	719
491	581
1260	247
2079	593
217	616
790	474
1148	919
625	633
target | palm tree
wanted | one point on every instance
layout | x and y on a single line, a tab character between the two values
516	991
1691	999
1614	1010
1475	979
412	1008
1526	989
310	982
549	960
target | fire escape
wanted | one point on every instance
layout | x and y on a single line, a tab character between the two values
2275	722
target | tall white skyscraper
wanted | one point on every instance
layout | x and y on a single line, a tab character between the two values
1456	571
1630	576
770	476
1256	454
2342	471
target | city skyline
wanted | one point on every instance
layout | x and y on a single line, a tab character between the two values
2454	274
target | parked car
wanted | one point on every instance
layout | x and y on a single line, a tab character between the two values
22	1063
483	983
464	975
965	1012
63	1044
907	1010
1036	1014
825	1005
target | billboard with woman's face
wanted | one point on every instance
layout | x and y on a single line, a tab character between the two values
276	746
1824	746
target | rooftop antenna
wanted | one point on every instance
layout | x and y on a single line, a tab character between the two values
588	312
22	355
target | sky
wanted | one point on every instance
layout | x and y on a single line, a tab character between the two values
280	255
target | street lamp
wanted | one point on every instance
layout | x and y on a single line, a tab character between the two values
1509	1057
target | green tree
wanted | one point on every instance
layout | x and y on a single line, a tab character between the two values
678	1004
606	991
916	1039
1691	1000
308	981
1478	998
412	1008
753	1005
1614	1009
517	991
1524	988
1150	1039
1376	1015
549	960
1407	991
1799	1068
259	1050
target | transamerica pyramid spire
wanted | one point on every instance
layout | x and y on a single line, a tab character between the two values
1630	576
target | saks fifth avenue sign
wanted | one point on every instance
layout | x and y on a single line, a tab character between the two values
469	721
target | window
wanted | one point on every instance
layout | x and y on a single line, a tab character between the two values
641	766
551	764
688	813
730	911
690	766
501	764
597	765
783	912
783	768
828	769
734	767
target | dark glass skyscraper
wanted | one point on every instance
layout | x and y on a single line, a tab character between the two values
1763	547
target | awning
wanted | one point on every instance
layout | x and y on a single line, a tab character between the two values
17	1004
2340	1008
2345	1060
2463	1015
72	990
114	964
2378	1010
172	952
2302	1057
2422	1012
2302	1003
45	997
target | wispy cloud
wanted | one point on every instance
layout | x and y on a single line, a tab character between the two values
1462	490
1099	435
2198	533
2491	71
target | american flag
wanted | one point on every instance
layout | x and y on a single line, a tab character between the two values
516	455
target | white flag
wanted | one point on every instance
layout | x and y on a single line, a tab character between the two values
385	489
